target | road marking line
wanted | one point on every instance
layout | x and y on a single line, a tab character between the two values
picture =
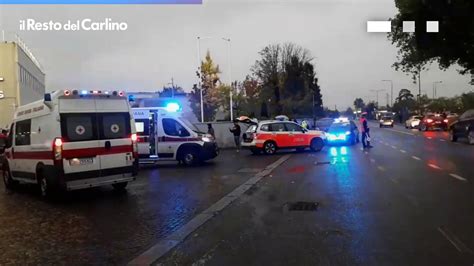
381	168
416	158
394	147
163	246
458	177
366	152
434	166
361	149
393	180
454	240
442	140
411	134
403	151
372	160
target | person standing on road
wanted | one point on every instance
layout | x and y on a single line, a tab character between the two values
236	131
210	130
364	127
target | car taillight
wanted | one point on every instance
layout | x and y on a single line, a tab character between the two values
445	120
58	148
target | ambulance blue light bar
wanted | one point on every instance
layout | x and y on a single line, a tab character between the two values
172	107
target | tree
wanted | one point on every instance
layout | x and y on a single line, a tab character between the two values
451	45
349	112
359	104
370	109
209	76
170	91
287	79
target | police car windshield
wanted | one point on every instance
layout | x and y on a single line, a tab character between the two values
339	126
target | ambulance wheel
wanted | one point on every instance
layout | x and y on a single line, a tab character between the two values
46	185
190	157
120	186
7	178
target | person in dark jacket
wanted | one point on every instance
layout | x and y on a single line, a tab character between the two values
364	127
236	131
210	130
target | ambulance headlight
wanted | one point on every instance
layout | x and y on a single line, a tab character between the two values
207	138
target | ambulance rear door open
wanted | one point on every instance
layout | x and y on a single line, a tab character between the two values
146	123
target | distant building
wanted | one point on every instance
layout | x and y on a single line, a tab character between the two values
153	99
22	80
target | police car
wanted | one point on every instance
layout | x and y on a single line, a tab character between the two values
269	136
343	131
72	140
163	135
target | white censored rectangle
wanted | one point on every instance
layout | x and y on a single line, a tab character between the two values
432	26
379	26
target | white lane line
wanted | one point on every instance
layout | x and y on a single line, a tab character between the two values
454	240
366	152
434	166
442	140
381	168
361	149
386	144
164	245
416	158
393	180
403	151
372	160
398	131
458	177
394	147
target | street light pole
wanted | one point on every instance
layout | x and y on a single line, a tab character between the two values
199	71
229	66
391	90
377	94
435	92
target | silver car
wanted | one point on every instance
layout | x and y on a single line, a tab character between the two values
413	121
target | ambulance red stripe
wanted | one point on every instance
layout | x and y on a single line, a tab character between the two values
75	153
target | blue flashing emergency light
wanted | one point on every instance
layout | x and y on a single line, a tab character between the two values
83	92
172	107
131	98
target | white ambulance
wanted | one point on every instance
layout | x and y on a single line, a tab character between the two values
163	135
72	139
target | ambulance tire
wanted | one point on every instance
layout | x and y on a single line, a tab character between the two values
7	178
47	182
120	186
190	157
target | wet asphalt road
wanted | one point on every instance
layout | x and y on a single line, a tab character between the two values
407	201
100	226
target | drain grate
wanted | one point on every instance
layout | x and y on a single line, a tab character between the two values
322	163
303	206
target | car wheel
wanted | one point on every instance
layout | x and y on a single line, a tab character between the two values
190	157
317	144
470	137
120	186
424	128
380	126
7	178
255	151
269	148
452	136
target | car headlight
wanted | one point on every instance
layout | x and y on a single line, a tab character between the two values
207	138
348	132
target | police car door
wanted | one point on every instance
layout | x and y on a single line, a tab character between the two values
172	135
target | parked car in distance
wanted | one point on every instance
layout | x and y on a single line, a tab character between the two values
432	122
413	121
269	136
463	127
324	124
386	121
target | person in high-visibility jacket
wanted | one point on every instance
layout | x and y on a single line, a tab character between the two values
304	124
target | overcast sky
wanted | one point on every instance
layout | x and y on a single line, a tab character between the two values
160	43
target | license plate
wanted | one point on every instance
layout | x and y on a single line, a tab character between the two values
81	161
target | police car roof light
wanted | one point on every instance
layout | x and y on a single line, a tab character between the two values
172	107
84	92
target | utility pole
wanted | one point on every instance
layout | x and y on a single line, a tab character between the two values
391	91
199	75
377	94
435	92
